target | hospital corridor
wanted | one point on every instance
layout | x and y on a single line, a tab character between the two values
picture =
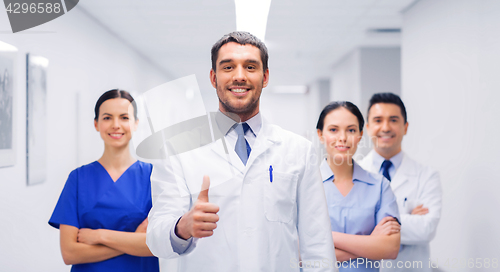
90	90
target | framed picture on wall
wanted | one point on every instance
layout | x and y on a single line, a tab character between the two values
36	118
8	55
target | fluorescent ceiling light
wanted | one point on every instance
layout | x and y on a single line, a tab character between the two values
5	47
40	61
291	89
251	16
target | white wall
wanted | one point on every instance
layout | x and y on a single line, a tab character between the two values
297	113
380	71
319	97
288	111
346	78
362	73
84	59
365	71
450	85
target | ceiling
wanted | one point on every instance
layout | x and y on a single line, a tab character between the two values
305	38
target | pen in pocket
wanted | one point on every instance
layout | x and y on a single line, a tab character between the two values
270	173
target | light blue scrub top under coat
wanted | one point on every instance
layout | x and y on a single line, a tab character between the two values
369	201
91	199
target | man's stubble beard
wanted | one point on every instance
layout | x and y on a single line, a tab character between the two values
247	110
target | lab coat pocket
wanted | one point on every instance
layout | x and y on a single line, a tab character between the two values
406	205
409	205
280	197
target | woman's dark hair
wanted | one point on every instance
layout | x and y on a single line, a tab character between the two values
388	98
111	94
337	104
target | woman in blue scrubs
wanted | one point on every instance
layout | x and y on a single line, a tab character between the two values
363	210
103	208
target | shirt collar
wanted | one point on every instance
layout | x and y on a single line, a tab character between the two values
326	172
395	160
255	124
358	173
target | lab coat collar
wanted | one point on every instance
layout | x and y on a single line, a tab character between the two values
405	172
255	124
378	160
228	122
266	137
222	123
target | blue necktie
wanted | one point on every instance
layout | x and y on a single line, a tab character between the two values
386	165
242	147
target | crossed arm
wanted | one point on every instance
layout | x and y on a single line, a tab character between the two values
88	246
382	243
419	227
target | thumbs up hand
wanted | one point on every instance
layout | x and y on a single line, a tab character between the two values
203	196
202	219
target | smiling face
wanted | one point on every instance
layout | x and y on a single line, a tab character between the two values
116	122
340	135
239	78
386	127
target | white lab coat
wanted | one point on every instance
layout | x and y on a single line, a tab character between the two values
260	221
413	184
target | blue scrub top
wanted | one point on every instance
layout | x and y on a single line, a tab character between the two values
369	201
90	199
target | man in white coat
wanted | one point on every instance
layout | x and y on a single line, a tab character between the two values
417	187
265	194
